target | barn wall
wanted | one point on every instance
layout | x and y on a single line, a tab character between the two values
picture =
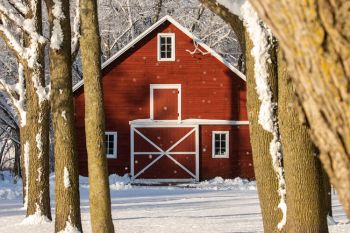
239	162
209	91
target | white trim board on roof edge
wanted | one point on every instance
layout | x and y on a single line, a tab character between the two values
149	30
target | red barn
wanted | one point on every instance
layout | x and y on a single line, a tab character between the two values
175	110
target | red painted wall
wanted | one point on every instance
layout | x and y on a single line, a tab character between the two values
209	91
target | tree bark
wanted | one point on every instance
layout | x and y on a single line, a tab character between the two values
267	183
158	10
38	127
100	203
266	179
67	196
328	194
303	171
23	139
315	39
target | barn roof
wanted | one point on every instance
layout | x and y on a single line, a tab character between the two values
153	27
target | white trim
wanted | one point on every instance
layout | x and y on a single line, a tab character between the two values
184	30
114	155
197	152
173	51
183	123
166	153
227	144
165	86
132	152
157	181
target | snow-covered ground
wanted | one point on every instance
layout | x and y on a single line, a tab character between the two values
212	206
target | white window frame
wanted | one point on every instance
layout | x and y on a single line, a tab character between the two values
227	155
172	36
114	155
165	86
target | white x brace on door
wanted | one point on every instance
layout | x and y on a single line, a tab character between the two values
160	152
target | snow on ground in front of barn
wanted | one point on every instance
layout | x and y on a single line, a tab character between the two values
217	205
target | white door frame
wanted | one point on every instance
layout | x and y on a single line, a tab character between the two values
162	153
165	86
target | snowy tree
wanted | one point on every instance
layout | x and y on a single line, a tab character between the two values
63	47
314	40
297	147
21	29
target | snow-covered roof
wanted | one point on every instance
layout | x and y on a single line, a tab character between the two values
153	27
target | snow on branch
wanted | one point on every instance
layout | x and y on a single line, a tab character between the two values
13	43
19	6
16	93
196	49
27	25
57	34
261	38
8	88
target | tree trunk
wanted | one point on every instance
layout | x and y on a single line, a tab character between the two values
38	128
267	183
315	39
23	139
328	194
266	179
100	203
158	10
67	196
303	171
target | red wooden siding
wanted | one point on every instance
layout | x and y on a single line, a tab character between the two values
209	90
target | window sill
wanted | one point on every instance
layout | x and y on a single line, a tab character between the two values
220	156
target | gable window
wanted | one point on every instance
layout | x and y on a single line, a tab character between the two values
166	47
111	144
220	144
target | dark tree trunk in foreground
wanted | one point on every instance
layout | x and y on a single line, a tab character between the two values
100	202
303	170
66	161
315	39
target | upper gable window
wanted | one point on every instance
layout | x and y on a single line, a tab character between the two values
166	47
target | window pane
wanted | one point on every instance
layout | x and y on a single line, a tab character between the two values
168	54
168	40
162	40
223	150
110	144
110	151
168	47
162	48
223	137
217	144
217	137
223	144
217	151
162	55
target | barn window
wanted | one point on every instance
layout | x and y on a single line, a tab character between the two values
111	144
166	47
220	144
